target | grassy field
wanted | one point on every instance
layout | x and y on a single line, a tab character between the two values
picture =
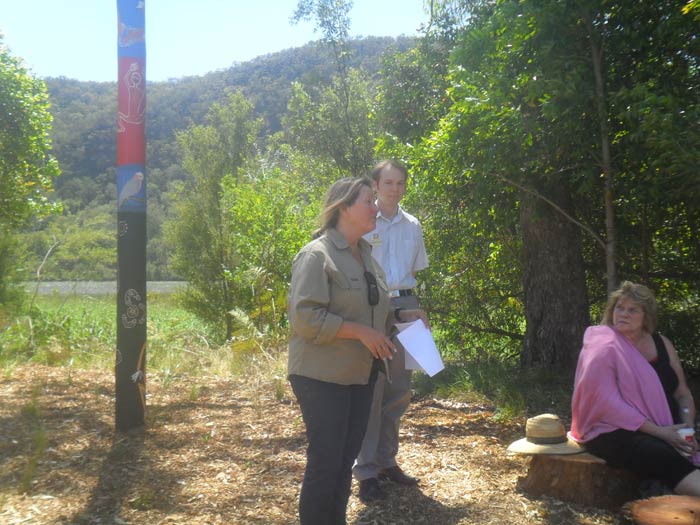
96	287
80	331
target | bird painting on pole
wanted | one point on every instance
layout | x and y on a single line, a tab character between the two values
131	189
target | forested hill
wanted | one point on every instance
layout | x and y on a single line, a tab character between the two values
84	113
84	142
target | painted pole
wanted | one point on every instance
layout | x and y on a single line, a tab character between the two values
130	369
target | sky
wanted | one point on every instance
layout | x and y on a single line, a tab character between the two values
78	38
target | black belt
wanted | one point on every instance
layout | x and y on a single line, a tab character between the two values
404	293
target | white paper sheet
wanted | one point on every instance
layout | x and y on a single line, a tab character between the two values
421	352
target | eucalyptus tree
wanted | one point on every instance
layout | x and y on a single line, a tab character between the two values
201	233
502	171
314	125
340	108
568	122
27	167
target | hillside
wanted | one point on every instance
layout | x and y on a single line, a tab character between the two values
84	143
84	112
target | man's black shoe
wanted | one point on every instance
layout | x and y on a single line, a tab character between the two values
370	490
397	475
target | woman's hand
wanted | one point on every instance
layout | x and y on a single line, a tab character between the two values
685	447
408	316
671	436
378	344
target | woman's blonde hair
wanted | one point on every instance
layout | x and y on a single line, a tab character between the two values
642	296
342	194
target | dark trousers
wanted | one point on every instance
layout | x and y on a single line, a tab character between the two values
336	419
647	456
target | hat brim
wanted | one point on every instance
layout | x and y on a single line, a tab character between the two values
523	446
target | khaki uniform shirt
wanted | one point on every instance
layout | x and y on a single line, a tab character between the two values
329	287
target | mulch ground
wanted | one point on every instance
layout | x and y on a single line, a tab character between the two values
219	451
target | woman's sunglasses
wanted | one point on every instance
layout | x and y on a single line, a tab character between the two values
372	289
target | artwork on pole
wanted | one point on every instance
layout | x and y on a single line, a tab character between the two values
130	364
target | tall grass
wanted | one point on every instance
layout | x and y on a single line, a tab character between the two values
58	330
80	331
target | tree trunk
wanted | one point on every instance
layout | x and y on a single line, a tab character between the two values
678	510
580	478
555	294
606	157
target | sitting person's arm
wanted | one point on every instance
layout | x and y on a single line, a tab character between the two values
682	394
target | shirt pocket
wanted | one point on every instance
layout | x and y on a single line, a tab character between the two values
348	294
345	282
338	278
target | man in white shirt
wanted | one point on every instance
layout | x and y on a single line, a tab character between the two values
398	246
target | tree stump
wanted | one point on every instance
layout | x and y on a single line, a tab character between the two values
580	478
663	510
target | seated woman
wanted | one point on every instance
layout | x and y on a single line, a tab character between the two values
630	394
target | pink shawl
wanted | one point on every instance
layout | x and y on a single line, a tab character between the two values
615	387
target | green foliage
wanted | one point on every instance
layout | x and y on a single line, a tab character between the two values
412	93
473	283
80	331
26	164
81	246
323	123
272	214
27	167
522	122
514	392
59	330
10	295
201	230
692	7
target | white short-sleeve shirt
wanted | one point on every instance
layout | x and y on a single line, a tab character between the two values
398	247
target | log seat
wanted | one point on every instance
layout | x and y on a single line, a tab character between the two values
580	478
663	510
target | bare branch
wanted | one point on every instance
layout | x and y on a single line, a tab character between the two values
38	270
555	206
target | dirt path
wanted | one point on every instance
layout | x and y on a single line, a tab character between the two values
232	452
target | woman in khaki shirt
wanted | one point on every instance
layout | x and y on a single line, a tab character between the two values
339	314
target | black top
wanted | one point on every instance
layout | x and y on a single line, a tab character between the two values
667	375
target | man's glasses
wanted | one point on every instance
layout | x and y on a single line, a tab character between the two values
372	289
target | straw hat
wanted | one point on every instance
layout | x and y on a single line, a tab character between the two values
545	434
